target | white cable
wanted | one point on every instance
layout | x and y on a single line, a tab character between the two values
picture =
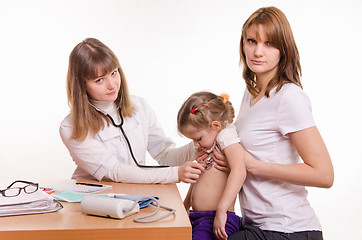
141	219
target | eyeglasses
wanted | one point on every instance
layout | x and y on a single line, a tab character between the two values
13	191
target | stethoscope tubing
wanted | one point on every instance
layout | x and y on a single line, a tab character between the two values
120	126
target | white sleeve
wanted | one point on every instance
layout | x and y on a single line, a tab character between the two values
133	174
176	156
94	158
162	148
90	155
295	111
227	136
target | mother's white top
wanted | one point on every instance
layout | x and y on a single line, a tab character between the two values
264	132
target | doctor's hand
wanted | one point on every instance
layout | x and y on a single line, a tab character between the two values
189	172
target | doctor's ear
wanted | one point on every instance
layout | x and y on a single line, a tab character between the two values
216	125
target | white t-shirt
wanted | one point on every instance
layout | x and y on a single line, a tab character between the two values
107	155
263	130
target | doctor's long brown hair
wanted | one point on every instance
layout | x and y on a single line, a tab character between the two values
85	60
281	37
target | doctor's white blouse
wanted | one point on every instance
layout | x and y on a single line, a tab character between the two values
107	156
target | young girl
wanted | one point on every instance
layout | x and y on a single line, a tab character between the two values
276	126
108	131
207	119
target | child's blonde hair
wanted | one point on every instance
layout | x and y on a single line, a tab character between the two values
201	109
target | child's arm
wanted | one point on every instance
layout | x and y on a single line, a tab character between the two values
187	200
235	156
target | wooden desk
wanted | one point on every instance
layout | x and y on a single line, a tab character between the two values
70	223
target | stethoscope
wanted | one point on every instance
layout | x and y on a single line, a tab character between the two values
120	126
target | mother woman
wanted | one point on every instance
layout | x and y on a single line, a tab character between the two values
276	126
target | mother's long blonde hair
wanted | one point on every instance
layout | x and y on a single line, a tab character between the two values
85	61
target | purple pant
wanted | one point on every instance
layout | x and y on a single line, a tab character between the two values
203	224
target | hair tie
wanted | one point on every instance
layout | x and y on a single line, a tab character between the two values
193	111
225	96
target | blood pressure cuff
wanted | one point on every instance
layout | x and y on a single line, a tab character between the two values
70	196
142	203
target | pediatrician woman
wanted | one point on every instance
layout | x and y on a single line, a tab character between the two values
108	131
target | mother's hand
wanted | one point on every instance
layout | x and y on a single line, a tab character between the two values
220	161
251	164
200	155
222	164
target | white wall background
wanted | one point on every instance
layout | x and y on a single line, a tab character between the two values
168	50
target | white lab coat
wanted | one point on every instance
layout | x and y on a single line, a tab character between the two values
106	156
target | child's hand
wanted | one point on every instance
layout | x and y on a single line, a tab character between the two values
219	225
